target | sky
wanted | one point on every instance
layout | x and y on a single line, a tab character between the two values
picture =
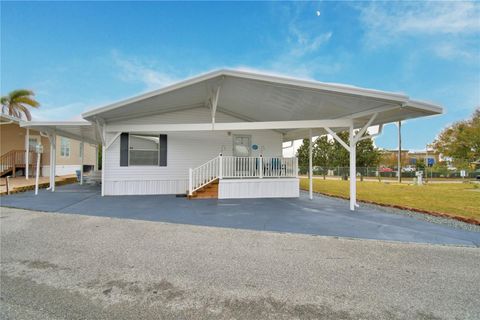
79	55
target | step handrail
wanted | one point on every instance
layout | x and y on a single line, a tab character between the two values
204	174
13	158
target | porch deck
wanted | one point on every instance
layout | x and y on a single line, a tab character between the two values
322	216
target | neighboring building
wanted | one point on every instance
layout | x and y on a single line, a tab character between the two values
409	158
13	143
420	156
221	133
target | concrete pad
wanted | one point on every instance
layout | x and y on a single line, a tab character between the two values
321	216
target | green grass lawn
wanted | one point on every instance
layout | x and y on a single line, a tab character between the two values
456	199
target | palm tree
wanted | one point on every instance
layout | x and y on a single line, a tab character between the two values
16	103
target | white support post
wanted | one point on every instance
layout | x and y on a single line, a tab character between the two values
190	182
54	158
37	174
220	166
296	167
103	159
260	166
27	153
399	159
82	149
310	166
96	158
353	170
51	162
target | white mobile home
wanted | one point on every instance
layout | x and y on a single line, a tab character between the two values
227	128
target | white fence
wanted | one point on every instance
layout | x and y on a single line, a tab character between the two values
242	167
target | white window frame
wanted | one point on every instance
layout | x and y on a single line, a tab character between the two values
62	149
130	149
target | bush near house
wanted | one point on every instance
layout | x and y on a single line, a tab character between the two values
457	200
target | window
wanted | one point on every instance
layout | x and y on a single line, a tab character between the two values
143	150
64	147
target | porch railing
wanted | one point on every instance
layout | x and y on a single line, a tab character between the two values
14	159
225	167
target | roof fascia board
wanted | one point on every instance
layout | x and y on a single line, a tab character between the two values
54	123
415	104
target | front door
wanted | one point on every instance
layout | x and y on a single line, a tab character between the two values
241	145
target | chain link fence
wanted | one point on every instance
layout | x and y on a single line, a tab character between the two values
376	172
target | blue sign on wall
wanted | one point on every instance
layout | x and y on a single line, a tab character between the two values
254	147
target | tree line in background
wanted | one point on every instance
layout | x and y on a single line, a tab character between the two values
327	153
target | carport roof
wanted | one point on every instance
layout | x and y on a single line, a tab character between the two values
77	130
254	97
263	97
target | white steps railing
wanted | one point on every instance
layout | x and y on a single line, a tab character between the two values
203	175
241	167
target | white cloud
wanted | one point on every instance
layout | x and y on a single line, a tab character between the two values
385	23
67	112
135	70
303	53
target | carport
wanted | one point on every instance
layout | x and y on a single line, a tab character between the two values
296	108
82	131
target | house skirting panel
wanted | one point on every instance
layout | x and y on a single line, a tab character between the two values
259	188
60	170
144	187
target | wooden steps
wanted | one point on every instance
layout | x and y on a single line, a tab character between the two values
209	191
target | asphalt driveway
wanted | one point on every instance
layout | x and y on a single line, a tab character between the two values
322	216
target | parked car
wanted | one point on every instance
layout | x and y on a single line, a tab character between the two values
385	169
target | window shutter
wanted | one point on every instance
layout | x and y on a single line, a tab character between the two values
124	149
163	150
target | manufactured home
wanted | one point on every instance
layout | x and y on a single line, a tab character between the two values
222	133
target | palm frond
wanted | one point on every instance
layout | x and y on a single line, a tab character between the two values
17	103
20	93
28	101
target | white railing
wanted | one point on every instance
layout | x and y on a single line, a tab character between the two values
259	167
203	175
241	167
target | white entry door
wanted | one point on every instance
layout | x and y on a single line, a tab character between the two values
241	145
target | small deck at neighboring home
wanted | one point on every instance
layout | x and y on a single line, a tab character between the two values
20	184
13	160
228	177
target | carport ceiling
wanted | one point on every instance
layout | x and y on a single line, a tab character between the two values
260	97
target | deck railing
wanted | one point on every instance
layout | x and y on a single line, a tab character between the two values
14	159
225	167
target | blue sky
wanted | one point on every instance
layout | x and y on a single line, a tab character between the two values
79	55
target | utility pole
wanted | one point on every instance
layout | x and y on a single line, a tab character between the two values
399	165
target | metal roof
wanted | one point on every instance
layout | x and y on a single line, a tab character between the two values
77	130
262	97
256	97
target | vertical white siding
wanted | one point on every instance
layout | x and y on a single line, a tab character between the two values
259	188
185	150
